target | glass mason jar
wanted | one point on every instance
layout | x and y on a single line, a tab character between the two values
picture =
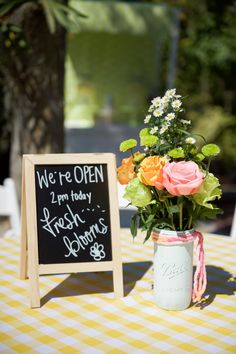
173	271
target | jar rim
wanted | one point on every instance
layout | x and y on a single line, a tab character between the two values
173	232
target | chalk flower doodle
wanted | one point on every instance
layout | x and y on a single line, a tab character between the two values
97	252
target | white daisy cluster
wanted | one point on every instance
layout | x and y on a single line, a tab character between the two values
163	112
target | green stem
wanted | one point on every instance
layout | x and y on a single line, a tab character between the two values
208	165
180	216
191	217
169	214
190	222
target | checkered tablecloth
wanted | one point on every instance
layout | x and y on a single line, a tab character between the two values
80	315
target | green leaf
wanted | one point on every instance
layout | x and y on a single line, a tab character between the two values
49	13
65	15
150	219
128	144
148	234
207	213
134	225
10	5
210	150
173	209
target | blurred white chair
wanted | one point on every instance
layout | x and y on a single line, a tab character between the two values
9	206
123	203
233	227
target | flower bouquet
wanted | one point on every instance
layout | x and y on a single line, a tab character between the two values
170	182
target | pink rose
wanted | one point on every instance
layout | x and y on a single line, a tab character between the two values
182	178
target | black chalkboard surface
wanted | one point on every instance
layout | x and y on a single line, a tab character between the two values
73	213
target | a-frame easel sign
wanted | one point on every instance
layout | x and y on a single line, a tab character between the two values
70	217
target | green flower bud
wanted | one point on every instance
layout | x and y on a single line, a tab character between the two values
128	144
137	193
176	153
199	157
208	191
210	150
147	139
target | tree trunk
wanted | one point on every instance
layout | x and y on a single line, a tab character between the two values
35	83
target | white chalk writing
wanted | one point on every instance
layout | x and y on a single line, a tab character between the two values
81	241
81	174
67	222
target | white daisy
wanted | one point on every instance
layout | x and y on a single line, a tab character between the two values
184	121
153	130
156	101
151	108
147	118
190	140
165	100
163	129
158	112
170	93
170	116
176	104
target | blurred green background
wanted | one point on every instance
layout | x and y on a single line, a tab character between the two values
89	76
115	66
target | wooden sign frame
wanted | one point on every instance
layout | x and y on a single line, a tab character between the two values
29	259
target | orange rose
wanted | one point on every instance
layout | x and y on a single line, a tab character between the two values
150	171
125	172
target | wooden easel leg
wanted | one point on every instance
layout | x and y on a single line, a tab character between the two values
33	276
34	292
23	241
118	281
30	225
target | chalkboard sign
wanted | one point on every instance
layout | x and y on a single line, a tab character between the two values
70	217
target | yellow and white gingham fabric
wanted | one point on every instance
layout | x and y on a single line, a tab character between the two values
80	315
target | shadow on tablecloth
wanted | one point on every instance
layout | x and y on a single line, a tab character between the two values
97	282
219	282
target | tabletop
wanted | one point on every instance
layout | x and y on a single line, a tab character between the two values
79	313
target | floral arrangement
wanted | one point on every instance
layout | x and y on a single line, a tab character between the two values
170	182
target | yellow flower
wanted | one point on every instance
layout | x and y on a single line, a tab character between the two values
150	171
